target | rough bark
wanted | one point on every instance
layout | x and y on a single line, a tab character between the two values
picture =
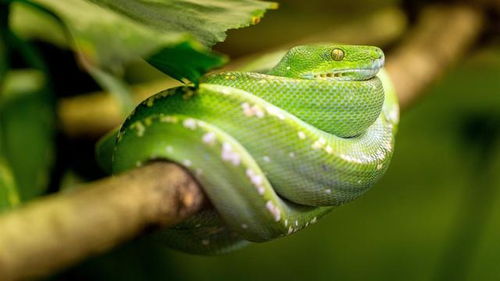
60	230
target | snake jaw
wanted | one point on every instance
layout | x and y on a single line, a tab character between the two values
349	74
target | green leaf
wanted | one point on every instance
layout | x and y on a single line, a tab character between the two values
207	20
110	34
27	131
30	22
184	61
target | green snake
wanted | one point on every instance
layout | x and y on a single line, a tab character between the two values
274	150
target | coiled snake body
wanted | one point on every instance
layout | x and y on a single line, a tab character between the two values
273	152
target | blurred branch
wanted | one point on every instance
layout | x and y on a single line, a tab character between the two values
60	230
92	115
71	226
441	37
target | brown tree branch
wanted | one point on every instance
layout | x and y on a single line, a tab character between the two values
60	230
441	37
57	231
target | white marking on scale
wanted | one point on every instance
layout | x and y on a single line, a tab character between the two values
190	123
275	211
275	111
349	158
209	138
301	135
139	127
319	143
329	149
228	154
168	119
252	110
247	109
393	115
256	180
258	111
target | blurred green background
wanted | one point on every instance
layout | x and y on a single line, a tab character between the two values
433	216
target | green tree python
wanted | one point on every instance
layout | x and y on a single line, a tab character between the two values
275	150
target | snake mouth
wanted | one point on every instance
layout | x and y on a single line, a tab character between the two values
358	74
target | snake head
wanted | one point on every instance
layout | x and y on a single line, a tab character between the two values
330	62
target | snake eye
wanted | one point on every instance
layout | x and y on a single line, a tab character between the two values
337	54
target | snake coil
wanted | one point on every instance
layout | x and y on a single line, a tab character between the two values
273	151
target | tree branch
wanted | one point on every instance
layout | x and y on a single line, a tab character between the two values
441	37
57	231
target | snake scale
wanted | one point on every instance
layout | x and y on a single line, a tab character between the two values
274	151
